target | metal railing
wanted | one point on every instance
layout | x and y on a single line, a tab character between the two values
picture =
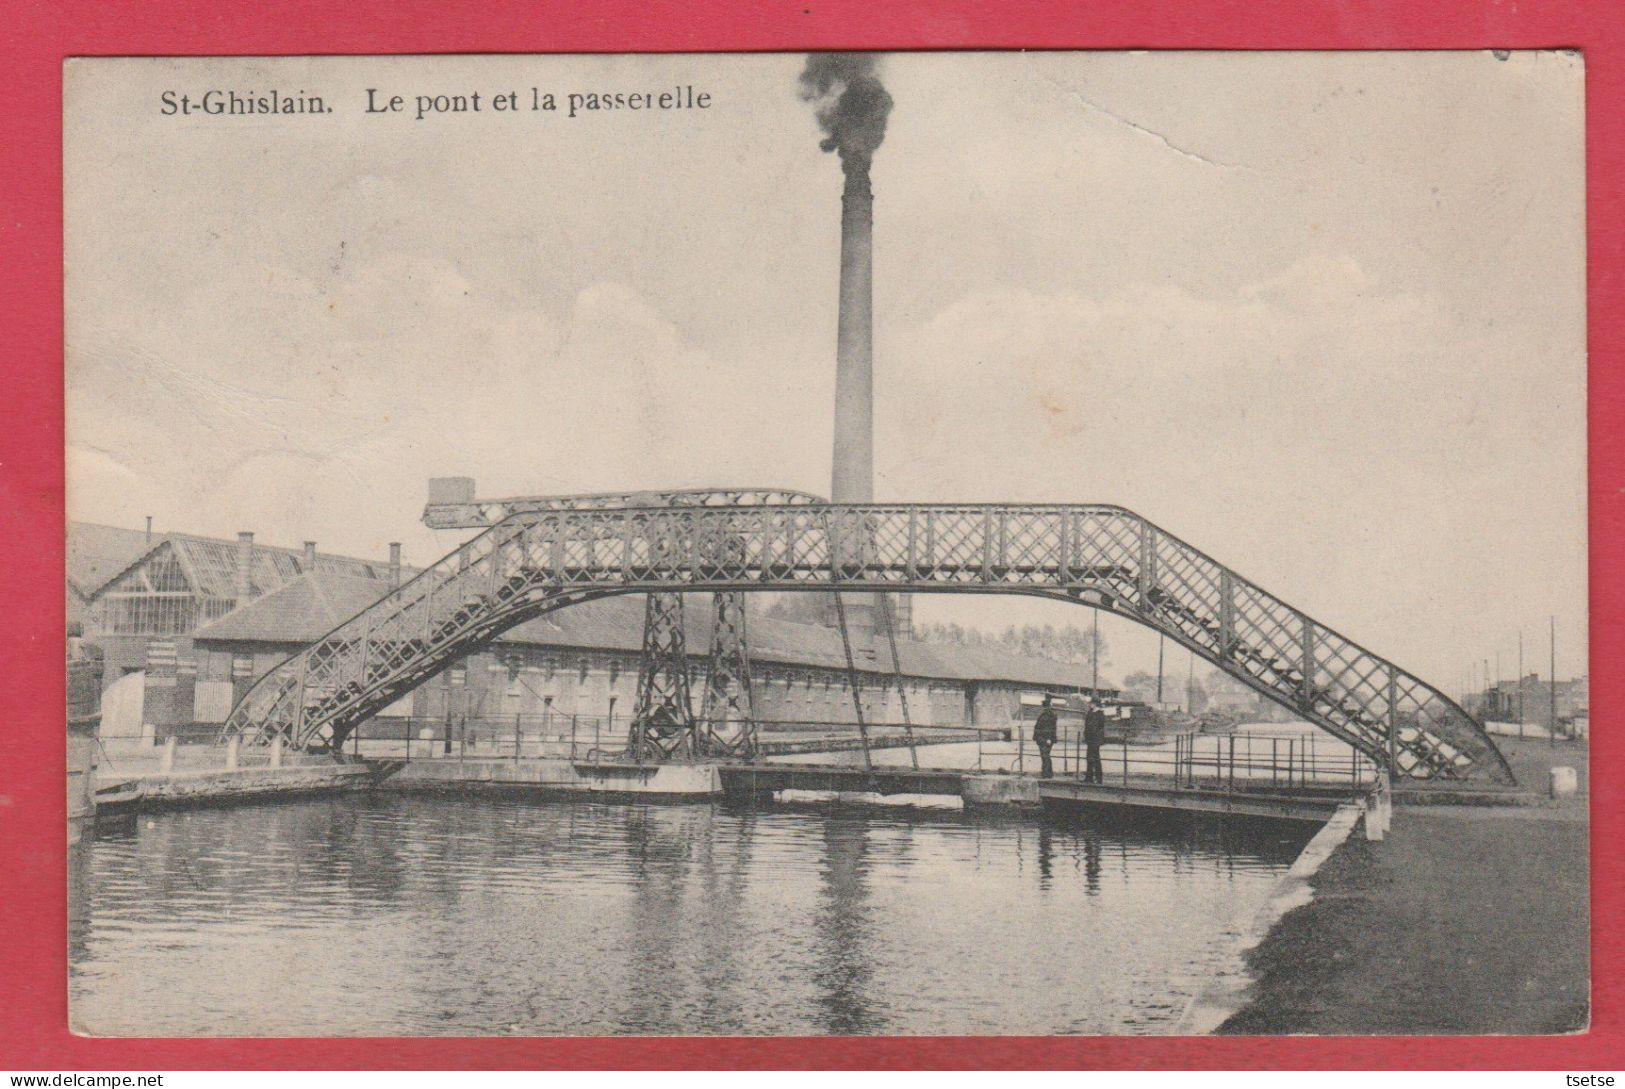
605	738
470	513
509	737
1238	761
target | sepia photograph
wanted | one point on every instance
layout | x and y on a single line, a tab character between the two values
1055	543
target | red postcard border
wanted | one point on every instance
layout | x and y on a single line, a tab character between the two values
39	35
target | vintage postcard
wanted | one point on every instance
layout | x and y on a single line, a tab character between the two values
836	544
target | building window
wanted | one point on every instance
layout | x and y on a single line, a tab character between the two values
242	667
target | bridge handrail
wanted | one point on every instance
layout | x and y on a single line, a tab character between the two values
471	513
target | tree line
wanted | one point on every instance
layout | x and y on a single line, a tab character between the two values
1069	645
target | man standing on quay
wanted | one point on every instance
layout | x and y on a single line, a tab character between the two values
1044	737
1094	736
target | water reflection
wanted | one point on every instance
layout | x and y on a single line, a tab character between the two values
844	966
1046	856
1091	864
396	914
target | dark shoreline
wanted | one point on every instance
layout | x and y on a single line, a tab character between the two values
1465	920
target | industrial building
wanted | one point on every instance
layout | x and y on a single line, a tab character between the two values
200	619
1531	700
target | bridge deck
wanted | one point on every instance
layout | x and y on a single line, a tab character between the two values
763	778
774	745
1303	803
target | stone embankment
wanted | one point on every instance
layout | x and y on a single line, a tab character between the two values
1464	919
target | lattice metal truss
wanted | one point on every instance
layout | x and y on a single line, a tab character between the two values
728	717
663	725
1104	556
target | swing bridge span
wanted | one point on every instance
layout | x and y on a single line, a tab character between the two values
536	555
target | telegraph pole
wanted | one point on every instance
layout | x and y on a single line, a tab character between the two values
1520	684
1162	641
1094	658
1552	730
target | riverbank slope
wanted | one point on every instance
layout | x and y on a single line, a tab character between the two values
1466	919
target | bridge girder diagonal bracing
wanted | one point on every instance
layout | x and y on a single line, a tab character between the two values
663	724
534	561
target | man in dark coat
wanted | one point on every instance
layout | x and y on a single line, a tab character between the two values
1094	736
1044	734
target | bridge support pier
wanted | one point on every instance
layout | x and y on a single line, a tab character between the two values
1379	809
729	717
663	725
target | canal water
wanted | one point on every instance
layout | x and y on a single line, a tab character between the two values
404	914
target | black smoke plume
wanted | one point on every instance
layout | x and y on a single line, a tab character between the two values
850	101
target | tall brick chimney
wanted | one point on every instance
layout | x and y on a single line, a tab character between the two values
394	563
852	105
853	477
245	567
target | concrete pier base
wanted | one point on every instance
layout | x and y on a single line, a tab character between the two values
1227	994
219	786
990	791
666	782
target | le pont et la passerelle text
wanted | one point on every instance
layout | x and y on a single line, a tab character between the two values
217	102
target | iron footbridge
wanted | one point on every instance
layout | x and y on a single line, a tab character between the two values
533	561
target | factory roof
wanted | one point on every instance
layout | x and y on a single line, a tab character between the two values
98	555
299	611
309	606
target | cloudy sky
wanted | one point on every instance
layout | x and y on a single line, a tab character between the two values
1321	315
